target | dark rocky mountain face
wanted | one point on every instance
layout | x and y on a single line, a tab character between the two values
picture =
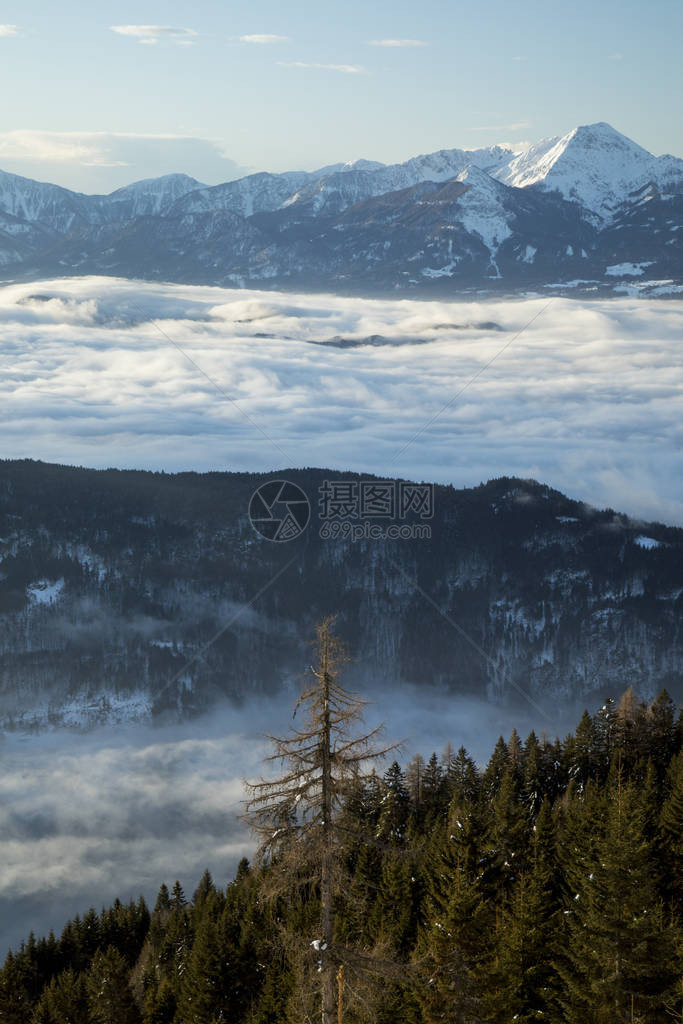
127	594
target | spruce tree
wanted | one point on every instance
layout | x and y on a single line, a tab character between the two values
670	839
110	999
64	1001
462	777
208	982
620	955
395	811
454	951
523	984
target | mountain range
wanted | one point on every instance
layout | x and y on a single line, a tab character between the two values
135	594
589	212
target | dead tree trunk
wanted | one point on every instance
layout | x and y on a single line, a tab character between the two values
297	814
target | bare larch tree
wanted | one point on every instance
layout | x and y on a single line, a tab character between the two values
297	815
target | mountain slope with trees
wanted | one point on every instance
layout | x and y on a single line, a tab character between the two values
114	583
544	886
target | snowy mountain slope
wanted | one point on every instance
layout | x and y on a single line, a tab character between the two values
593	165
553	215
149	197
485	210
462	233
332	193
462	230
256	193
62	211
39	202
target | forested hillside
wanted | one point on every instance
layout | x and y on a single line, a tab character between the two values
544	886
134	594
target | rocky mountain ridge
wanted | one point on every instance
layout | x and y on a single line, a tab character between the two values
591	212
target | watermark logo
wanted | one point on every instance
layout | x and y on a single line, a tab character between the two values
375	510
347	509
279	510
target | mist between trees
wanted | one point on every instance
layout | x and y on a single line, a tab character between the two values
547	885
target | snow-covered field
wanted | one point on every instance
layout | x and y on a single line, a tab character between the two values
588	397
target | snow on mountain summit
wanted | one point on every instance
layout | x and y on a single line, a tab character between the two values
561	210
593	165
150	195
364	179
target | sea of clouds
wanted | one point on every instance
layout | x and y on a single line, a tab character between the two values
585	396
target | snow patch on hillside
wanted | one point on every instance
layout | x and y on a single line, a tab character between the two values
45	591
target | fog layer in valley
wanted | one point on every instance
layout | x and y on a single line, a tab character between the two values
588	398
86	817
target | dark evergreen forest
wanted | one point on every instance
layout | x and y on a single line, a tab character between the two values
149	567
546	885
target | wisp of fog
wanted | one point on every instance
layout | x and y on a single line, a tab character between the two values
87	817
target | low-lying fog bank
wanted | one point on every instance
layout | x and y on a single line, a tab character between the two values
584	396
86	817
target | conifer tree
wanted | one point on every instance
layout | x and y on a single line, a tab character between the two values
454	950
415	773
523	981
620	956
462	777
395	809
110	999
297	814
670	839
178	900
435	792
64	1001
508	837
212	974
160	1003
581	752
393	918
16	991
495	769
163	902
663	733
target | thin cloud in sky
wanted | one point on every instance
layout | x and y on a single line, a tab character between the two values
264	38
615	56
102	161
150	35
9	30
397	42
347	69
514	126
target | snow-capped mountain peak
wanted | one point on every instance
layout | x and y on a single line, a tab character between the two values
583	208
150	196
593	165
362	165
41	202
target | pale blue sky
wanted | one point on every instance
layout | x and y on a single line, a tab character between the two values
495	72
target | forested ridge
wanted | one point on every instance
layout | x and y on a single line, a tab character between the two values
545	886
115	583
